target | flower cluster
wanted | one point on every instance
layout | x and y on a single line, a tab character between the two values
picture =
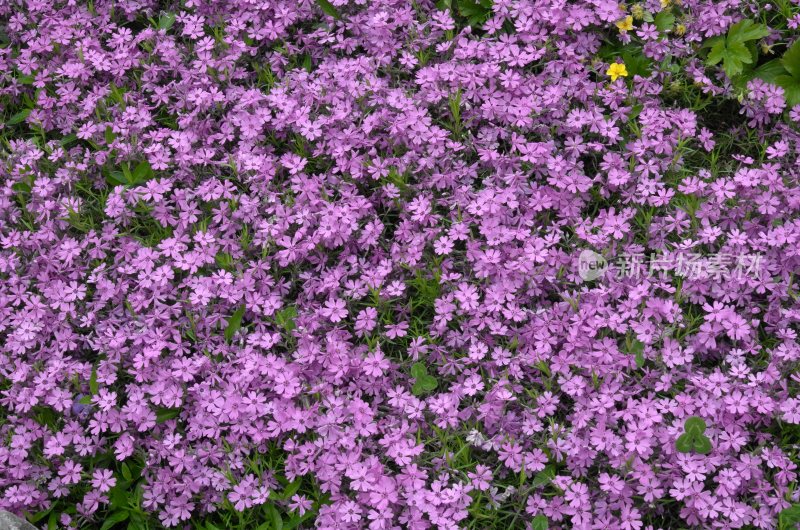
319	262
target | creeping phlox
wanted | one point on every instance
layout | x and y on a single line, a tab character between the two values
270	263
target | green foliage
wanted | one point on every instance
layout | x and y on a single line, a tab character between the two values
732	49
329	9
285	318
693	438
790	81
234	323
789	518
423	382
539	522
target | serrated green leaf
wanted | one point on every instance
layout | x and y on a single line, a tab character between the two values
329	9
664	20
684	443
114	518
19	117
694	424
234	323
791	59
746	30
540	522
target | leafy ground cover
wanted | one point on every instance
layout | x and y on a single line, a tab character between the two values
513	264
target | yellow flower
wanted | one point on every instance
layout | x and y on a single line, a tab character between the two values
666	3
626	24
617	70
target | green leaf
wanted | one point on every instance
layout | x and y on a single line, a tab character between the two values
639	359
329	9
142	173
791	59
789	518
114	518
539	522
544	477
277	520
93	386
746	30
684	443
85	400
285	317
166	20
769	71
791	89
423	384
165	414
664	20
694	424
702	444
19	117
68	139
234	323
475	11
126	472
291	488
418	370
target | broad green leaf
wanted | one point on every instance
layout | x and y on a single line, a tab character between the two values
702	444
19	117
717	52
769	71
664	20
791	59
234	323
746	30
142	173
166	20
544	477
734	57
789	518
329	9
475	11
540	522
791	89
639	359
418	370
684	443
114	518
694	424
